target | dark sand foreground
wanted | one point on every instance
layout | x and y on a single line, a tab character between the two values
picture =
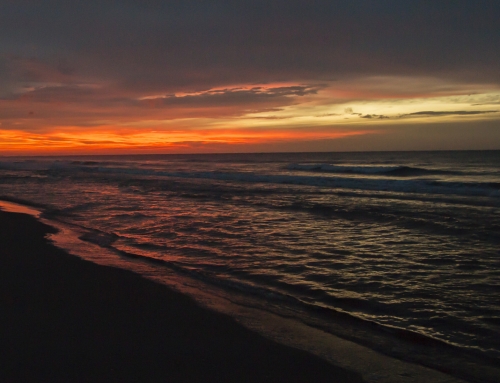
63	319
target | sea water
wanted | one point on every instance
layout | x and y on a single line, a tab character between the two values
405	244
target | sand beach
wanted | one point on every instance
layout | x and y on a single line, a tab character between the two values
65	319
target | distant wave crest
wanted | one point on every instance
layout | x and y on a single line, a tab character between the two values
398	171
487	189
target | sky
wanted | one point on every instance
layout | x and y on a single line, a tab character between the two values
192	76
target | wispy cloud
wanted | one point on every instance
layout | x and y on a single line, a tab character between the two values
448	113
375	116
231	96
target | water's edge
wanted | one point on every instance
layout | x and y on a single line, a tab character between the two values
283	328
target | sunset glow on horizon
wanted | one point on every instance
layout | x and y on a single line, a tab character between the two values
68	91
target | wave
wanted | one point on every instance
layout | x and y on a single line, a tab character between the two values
100	238
24	202
419	186
86	163
312	177
31	165
340	315
42	164
396	171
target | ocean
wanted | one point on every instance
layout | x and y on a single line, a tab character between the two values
399	251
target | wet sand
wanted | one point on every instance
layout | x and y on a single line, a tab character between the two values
66	319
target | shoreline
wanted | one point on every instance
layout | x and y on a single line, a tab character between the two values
355	361
72	320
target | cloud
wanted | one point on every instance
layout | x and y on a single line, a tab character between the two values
375	116
234	95
328	115
488	103
271	117
448	113
54	93
172	45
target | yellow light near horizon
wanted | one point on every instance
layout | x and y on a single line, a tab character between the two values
327	111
